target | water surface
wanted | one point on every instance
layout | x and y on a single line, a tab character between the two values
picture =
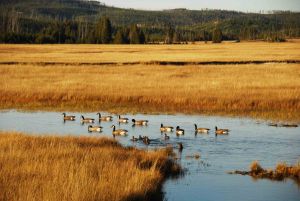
206	178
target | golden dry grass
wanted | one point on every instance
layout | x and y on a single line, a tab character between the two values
78	168
281	172
265	91
244	51
269	91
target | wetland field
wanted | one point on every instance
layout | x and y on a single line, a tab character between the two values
250	88
155	78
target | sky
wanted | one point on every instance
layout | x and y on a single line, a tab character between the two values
238	5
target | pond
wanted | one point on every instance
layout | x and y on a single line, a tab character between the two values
206	178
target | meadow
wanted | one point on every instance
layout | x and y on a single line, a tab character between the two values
79	168
79	78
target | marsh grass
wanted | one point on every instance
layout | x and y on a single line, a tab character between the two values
79	168
263	91
281	172
267	91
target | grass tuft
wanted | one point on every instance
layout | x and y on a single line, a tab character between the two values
281	172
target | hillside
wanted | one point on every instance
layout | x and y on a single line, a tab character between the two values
32	17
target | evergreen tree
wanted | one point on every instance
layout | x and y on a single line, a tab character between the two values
169	35
142	37
134	36
217	35
106	31
120	38
103	33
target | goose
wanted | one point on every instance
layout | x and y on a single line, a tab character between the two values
104	118
140	122
86	120
146	140
140	137
273	124
68	118
179	131
180	146
166	137
166	128
119	131
134	139
201	130
221	131
94	128
123	120
289	125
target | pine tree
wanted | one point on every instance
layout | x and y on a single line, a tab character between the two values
119	38
217	35
169	35
103	31
142	37
106	31
134	36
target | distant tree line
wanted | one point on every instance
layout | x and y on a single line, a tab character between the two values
76	21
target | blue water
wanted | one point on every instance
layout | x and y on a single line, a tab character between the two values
206	178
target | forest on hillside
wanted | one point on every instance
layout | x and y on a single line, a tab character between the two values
81	21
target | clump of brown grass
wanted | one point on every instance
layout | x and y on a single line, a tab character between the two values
281	171
79	168
255	167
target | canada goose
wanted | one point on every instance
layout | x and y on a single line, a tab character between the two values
179	131
104	118
123	120
289	125
94	128
201	130
180	146
68	118
86	120
221	131
146	140
140	122
119	131
140	137
134	139
166	137
166	128
273	124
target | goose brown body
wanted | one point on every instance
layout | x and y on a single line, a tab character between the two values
122	132
104	118
87	120
123	119
221	131
166	128
140	122
68	118
201	130
94	128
